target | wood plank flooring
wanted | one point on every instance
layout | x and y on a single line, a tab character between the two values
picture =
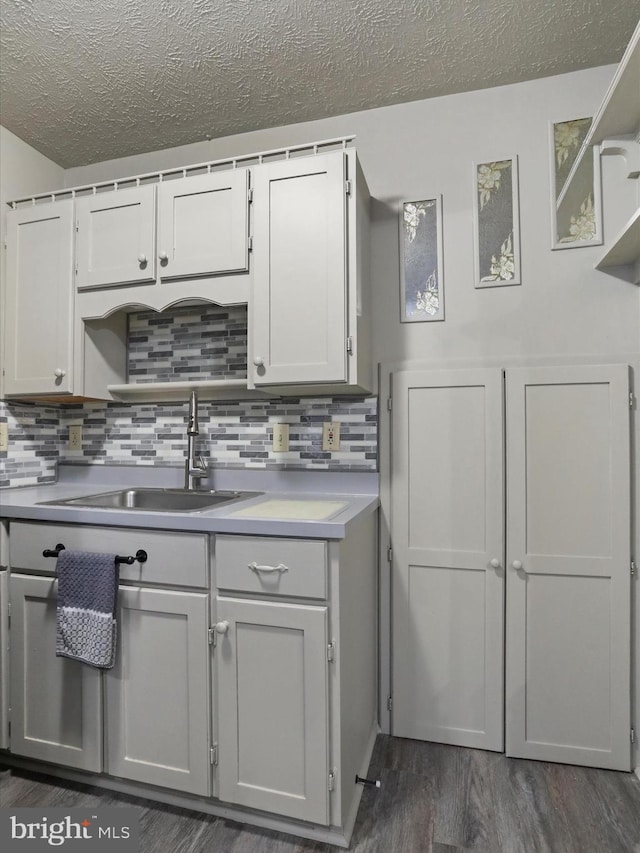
433	799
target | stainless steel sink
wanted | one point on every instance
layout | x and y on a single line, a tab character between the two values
156	500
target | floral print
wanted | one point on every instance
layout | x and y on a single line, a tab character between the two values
429	299
502	267
583	226
412	213
568	135
488	177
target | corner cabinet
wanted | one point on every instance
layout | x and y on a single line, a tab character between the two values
307	321
38	324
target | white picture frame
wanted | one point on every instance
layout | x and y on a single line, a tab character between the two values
575	186
421	260
496	223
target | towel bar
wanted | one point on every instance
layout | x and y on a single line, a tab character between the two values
141	556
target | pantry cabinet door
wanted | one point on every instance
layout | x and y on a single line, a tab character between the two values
39	299
116	237
56	703
568	563
157	708
299	289
273	708
203	224
447	534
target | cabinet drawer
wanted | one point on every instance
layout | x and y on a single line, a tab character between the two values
179	559
296	567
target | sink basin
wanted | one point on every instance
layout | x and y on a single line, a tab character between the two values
156	500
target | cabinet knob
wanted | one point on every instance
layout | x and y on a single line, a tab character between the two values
495	563
517	565
142	258
59	373
222	627
258	361
163	256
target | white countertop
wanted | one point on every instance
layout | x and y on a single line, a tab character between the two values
279	511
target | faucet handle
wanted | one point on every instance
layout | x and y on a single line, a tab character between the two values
202	464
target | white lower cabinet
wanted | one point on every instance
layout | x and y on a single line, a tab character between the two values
156	696
273	707
56	703
257	701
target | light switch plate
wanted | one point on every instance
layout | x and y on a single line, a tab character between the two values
4	437
331	436
280	438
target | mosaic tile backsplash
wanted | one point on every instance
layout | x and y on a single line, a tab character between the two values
234	434
189	342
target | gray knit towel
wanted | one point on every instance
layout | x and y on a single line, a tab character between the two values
87	595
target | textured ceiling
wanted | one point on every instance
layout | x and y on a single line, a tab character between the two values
86	81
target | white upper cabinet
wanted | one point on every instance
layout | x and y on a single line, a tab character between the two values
203	225
39	299
153	245
299	294
116	238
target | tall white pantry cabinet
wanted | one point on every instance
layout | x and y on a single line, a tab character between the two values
511	534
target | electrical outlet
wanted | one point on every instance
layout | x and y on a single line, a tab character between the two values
280	438
331	436
75	437
4	437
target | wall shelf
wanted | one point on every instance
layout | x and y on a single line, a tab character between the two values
619	113
616	130
624	254
208	389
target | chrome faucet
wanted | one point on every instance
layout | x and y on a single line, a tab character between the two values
194	469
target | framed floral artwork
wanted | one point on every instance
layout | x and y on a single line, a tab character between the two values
496	223
421	267
576	204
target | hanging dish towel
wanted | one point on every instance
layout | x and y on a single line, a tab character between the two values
87	593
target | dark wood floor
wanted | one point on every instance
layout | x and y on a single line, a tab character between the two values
433	799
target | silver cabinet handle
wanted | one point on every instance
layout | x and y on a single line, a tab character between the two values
517	565
495	563
268	569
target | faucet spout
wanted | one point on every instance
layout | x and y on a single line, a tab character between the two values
194	469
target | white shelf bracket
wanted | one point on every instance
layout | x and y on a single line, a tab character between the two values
626	147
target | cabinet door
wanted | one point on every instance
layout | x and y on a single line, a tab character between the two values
116	237
4	659
39	299
157	693
568	668
448	556
56	703
203	224
299	291
272	708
